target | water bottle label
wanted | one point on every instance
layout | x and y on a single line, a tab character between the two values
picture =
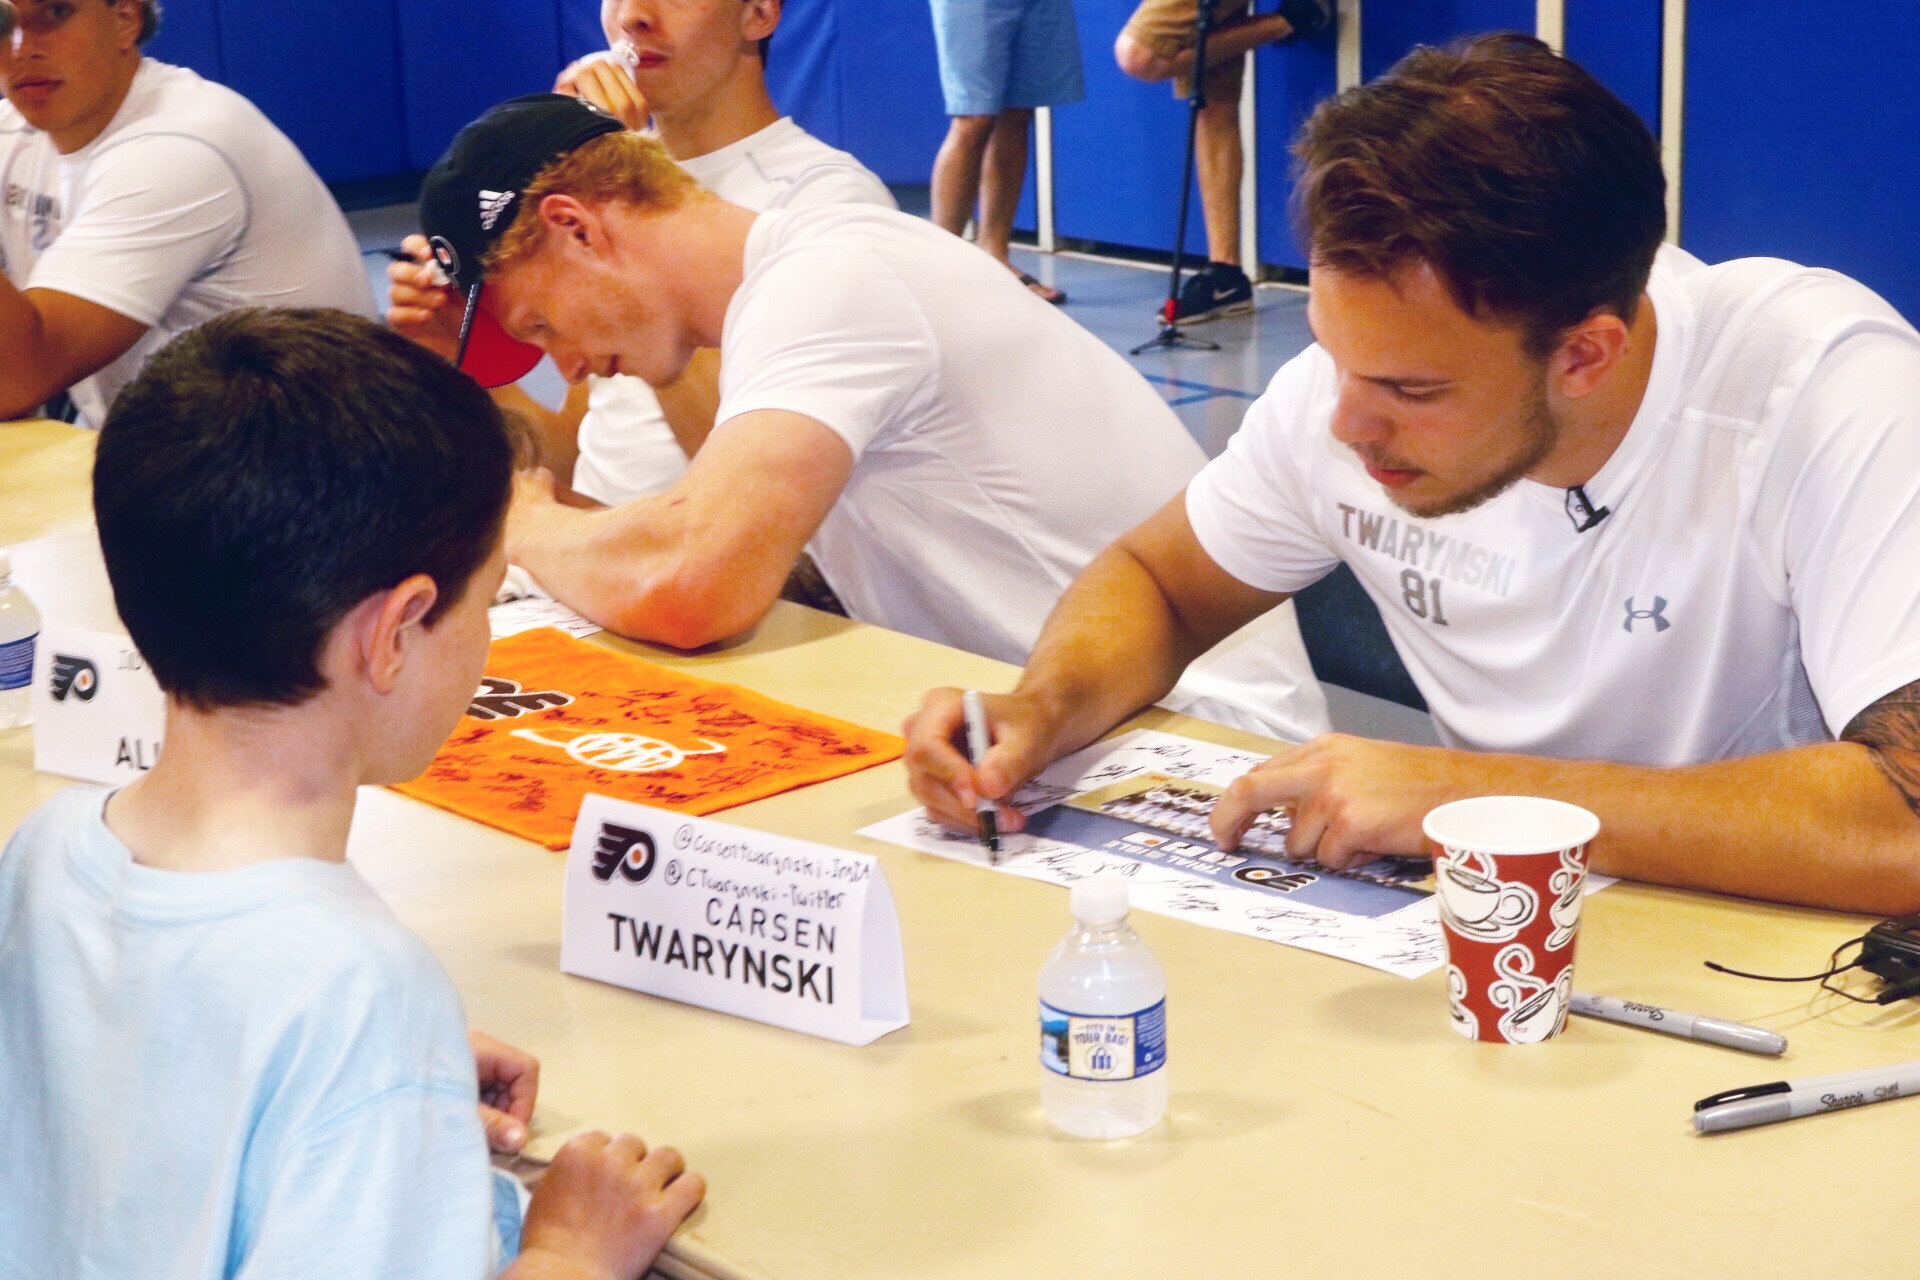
1103	1046
16	663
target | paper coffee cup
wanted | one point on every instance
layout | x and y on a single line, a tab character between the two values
1509	873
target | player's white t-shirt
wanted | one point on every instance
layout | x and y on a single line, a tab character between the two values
998	445
188	205
627	451
1754	587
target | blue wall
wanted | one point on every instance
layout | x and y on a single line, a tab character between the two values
1290	79
1619	41
1799	139
1388	28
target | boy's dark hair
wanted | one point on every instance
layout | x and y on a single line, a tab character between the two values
270	470
1534	192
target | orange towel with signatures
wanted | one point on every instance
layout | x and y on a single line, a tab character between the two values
556	718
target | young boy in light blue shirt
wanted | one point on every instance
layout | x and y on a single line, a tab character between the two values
220	1054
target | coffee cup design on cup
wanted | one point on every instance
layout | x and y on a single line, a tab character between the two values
1476	903
1535	1008
1568	883
1464	1019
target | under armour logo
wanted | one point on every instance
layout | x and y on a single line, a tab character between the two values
492	205
1657	613
625	849
500	699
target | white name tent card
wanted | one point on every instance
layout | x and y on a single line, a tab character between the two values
97	713
781	931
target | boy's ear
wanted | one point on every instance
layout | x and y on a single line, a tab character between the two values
389	625
759	19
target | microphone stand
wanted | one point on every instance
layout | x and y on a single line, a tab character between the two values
1170	334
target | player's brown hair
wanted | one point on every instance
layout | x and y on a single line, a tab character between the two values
1534	192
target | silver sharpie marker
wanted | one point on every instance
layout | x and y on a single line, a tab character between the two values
1689	1026
1791	1099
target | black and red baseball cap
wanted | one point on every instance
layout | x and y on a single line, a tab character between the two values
470	198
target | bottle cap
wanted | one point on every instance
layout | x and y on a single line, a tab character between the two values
1099	900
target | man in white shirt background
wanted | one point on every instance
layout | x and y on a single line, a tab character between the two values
140	200
697	70
949	449
1641	529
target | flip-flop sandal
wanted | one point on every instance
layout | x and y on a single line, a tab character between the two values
1043	291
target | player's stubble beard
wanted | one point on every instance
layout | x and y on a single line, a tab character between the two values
1542	433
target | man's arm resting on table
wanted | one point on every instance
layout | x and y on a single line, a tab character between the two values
1833	825
1118	639
704	560
51	340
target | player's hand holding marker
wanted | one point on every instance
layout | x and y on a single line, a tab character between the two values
942	779
421	305
1353	799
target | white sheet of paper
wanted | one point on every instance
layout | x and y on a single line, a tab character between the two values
522	604
97	713
782	931
512	618
1406	942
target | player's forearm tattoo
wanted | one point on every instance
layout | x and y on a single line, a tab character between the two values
1890	729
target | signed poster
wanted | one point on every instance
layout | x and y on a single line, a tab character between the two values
1137	806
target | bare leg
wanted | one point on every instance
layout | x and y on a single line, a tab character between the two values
1225	42
1005	173
956	171
1217	155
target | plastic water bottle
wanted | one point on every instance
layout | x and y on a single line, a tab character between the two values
1103	1022
19	628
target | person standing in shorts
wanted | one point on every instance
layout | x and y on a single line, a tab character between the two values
1158	44
999	59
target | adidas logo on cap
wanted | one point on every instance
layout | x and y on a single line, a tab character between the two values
492	205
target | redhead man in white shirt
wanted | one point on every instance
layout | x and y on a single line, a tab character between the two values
695	69
949	449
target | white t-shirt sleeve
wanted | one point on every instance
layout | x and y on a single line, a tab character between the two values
1846	484
397	1186
1251	507
153	214
836	184
829	332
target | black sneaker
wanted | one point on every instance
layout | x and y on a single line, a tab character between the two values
1220	289
1308	18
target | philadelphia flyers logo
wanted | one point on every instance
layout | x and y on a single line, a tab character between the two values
76	676
623	849
1273	878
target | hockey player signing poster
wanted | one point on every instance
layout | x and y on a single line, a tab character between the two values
1137	806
